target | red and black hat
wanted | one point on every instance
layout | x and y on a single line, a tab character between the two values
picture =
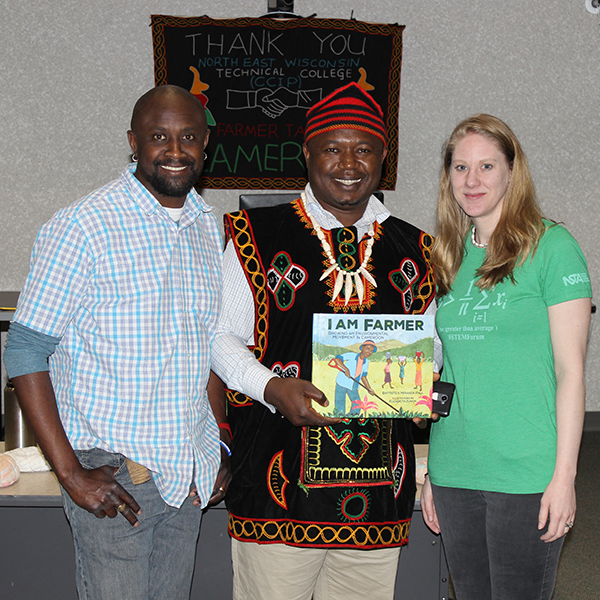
348	107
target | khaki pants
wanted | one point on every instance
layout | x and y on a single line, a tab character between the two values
280	572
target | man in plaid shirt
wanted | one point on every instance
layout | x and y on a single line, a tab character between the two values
109	353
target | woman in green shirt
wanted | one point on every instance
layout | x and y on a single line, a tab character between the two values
513	316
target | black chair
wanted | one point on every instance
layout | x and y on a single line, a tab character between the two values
275	198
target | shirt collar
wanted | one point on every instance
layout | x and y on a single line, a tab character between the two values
194	203
375	211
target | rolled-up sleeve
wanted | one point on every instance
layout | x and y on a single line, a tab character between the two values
27	350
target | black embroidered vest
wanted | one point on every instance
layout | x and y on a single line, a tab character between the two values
351	485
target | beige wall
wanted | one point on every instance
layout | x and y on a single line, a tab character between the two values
71	71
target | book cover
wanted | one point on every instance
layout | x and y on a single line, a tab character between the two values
377	366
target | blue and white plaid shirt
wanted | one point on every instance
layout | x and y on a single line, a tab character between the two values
135	298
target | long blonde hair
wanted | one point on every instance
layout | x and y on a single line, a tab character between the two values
519	228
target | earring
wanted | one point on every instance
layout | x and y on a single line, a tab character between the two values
134	157
205	156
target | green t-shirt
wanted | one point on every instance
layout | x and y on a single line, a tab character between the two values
500	435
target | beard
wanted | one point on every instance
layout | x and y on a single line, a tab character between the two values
174	188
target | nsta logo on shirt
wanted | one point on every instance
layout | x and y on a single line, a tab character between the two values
576	278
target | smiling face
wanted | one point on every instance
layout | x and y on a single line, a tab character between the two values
169	136
480	174
344	169
367	350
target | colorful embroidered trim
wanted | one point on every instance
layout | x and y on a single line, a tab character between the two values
298	533
237	398
284	278
251	263
238	227
416	295
314	475
364	439
402	279
291	369
399	470
425	292
353	505
276	480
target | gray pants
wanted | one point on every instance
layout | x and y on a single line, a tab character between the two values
493	545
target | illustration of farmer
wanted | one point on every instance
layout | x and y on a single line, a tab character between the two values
388	370
402	362
419	359
354	368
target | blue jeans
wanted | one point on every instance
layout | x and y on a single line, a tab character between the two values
340	397
493	545
153	561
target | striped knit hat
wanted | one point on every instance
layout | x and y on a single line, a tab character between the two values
348	107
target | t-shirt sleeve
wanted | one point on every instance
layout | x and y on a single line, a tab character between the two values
365	369
563	268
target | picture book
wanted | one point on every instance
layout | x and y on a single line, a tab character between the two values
372	365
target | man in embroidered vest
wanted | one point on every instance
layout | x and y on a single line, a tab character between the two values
121	307
319	507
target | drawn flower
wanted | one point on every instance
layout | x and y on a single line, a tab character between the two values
365	404
426	400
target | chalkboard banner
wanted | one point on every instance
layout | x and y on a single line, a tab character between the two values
258	77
